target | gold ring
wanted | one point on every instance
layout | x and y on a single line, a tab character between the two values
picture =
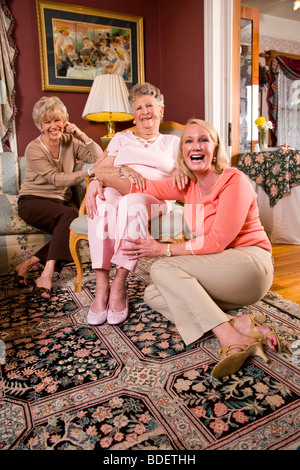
137	253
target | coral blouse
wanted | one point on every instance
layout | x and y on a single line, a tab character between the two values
228	217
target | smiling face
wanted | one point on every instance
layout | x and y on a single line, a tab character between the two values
147	113
198	149
53	128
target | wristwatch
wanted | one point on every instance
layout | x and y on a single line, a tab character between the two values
169	252
95	178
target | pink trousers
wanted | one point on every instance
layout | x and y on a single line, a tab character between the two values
119	217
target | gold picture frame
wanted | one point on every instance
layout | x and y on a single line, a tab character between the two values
77	43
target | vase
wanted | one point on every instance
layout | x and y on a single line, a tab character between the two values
263	141
256	148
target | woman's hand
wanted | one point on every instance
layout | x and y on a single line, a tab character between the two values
95	189
134	177
99	163
72	129
143	247
180	181
76	132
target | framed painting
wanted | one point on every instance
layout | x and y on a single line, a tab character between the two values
78	43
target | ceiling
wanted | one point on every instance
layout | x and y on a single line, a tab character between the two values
280	8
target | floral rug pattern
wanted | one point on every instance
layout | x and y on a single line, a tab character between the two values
67	385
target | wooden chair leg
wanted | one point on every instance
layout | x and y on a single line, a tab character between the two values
74	249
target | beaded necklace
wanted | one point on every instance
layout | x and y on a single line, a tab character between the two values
147	142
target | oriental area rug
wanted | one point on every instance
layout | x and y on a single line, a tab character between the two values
68	386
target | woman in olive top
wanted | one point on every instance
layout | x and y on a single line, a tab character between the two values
45	195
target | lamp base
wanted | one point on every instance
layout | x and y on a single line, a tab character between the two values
105	141
111	130
110	133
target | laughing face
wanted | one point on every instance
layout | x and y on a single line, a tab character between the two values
53	128
198	149
147	113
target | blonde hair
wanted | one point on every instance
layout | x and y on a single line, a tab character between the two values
220	160
47	108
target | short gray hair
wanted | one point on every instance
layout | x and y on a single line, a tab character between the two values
140	89
47	108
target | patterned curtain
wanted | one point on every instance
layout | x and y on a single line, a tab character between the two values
8	54
288	111
291	69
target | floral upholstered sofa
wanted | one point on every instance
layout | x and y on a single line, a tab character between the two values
18	240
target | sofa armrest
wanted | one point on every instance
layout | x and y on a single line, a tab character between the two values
9	173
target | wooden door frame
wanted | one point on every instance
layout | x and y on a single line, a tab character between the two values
252	14
236	81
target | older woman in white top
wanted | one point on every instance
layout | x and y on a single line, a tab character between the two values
144	153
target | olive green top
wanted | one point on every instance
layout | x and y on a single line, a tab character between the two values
49	177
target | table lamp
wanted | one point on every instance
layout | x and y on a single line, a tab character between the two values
108	102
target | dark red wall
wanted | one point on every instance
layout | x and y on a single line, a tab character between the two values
182	58
174	60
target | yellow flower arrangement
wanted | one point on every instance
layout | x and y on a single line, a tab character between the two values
263	126
260	121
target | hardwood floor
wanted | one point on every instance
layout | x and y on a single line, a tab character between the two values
287	272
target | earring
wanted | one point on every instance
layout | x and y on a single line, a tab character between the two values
214	159
134	121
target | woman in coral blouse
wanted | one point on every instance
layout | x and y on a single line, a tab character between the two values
226	263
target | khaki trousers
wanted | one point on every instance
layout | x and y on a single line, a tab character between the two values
194	291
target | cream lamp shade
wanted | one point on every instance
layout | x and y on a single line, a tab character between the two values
108	102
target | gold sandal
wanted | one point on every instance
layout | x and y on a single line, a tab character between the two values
255	334
233	362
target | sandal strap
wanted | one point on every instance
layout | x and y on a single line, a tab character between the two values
42	289
225	351
259	336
